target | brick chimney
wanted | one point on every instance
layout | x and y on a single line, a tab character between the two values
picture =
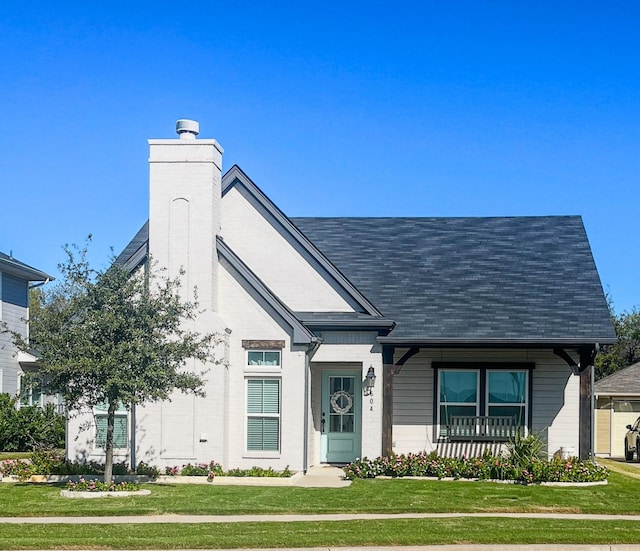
184	210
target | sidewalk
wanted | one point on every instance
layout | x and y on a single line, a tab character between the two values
330	517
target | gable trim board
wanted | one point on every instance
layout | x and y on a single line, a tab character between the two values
350	294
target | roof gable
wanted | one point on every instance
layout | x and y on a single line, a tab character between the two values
623	382
251	233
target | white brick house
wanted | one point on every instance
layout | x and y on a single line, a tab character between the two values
473	327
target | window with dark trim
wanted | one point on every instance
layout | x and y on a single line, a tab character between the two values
482	401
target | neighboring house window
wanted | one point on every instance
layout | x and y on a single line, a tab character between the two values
119	428
482	401
263	414
30	393
269	358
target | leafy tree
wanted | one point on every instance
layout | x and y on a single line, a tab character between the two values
626	351
109	337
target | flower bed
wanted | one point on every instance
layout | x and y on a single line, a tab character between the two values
486	467
52	467
96	488
95	485
213	469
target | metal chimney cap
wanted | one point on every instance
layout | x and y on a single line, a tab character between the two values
187	128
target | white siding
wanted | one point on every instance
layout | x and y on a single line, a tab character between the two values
555	395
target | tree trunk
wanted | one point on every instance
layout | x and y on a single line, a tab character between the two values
108	446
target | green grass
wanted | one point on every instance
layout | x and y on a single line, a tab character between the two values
629	469
302	534
14	455
364	496
367	496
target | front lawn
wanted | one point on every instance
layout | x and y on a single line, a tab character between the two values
319	534
363	496
619	496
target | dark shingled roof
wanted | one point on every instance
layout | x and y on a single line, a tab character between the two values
623	382
518	279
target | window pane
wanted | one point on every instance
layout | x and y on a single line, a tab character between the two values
119	431
348	384
263	396
347	423
459	386
446	412
271	396
263	434
335	423
517	412
254	396
507	387
260	357
101	431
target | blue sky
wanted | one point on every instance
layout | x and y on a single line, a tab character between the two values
333	108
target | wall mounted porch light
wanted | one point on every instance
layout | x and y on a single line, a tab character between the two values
369	382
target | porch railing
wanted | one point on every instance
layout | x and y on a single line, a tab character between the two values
486	429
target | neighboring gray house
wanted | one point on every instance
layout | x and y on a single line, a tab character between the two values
474	328
617	404
15	278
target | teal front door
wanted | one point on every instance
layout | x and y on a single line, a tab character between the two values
341	416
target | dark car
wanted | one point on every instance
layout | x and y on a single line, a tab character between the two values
632	441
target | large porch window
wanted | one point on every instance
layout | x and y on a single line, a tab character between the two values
482	403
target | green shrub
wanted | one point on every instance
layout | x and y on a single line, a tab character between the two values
52	462
30	427
486	467
213	469
144	469
525	450
210	469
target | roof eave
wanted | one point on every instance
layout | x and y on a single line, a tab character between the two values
493	343
23	271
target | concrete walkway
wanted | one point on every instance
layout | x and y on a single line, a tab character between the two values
323	476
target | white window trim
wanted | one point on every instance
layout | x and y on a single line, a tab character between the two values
514	404
262	454
466	404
